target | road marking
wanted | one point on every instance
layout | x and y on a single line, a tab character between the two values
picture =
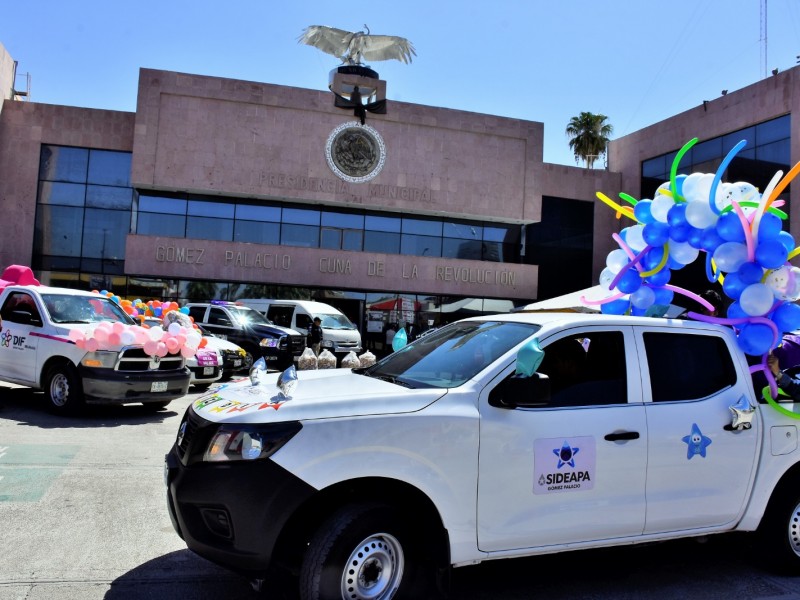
30	470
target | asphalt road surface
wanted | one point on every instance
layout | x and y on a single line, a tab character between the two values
83	516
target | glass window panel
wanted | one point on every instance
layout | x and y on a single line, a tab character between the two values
730	140
374	223
58	163
420	245
501	234
104	233
774	130
343	220
258	213
58	231
776	153
159	224
467	231
466	249
301	216
707	150
54	192
494	251
654	167
352	239
209	228
388	243
200	208
422	227
104	196
305	236
110	168
257	232
330	238
158	204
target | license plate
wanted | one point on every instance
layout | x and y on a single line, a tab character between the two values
158	386
208	370
237	363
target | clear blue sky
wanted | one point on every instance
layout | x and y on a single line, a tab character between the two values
636	61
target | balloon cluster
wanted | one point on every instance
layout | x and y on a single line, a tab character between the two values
740	232
177	335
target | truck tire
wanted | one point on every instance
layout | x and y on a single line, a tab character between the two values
779	533
363	551
63	389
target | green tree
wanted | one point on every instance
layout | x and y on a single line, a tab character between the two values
589	136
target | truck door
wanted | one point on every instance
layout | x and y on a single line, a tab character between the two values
699	470
22	329
574	469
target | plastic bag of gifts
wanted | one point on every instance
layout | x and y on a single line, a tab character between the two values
367	359
351	361
307	360
326	360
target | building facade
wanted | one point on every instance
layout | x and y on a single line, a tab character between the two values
218	188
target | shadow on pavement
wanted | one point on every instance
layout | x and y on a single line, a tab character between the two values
29	407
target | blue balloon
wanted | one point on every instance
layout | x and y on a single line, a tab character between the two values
755	338
735	311
642	212
771	254
750	272
399	340
662	277
769	227
677	215
680	233
787	316
729	228
615	307
529	357
663	296
710	239
629	282
674	264
652	259
655	233
695	238
733	286
785	238
679	184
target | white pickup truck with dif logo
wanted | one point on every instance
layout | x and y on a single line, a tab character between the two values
38	349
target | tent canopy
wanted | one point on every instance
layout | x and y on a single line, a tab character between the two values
573	302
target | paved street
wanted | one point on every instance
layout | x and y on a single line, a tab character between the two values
83	517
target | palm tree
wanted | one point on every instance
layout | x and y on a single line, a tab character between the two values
588	137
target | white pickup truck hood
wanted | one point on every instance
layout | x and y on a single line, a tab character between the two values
321	394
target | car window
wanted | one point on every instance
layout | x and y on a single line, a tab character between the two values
217	316
687	367
198	313
586	369
20	308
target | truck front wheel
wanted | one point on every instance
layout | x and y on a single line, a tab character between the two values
364	551
780	533
63	389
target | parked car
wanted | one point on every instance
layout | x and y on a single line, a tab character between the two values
234	358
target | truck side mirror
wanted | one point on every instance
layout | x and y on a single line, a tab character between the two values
519	391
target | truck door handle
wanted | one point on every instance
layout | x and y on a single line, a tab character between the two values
623	435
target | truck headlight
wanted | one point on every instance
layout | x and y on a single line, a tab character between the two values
327	344
249	442
100	359
270	342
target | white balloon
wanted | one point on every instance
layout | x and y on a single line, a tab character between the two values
174	328
756	299
784	282
643	298
700	215
682	252
660	207
634	238
729	256
606	277
703	190
155	333
689	187
617	259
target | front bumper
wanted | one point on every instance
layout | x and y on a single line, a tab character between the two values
107	386
229	513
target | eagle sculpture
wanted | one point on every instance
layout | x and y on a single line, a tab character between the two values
354	47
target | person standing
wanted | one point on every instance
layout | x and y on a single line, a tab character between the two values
315	335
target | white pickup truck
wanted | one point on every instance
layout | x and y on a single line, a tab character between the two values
36	350
374	482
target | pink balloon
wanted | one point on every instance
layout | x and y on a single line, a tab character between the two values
150	347
113	339
76	334
172	345
80	343
91	345
100	334
187	352
161	349
118	327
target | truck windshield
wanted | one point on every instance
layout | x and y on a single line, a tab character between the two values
335	322
451	355
249	315
64	308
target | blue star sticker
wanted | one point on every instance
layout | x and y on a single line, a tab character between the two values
566	454
696	442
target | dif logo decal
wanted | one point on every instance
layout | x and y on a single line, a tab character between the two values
564	464
7	339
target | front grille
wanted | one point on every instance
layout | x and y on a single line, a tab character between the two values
135	359
186	432
297	343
